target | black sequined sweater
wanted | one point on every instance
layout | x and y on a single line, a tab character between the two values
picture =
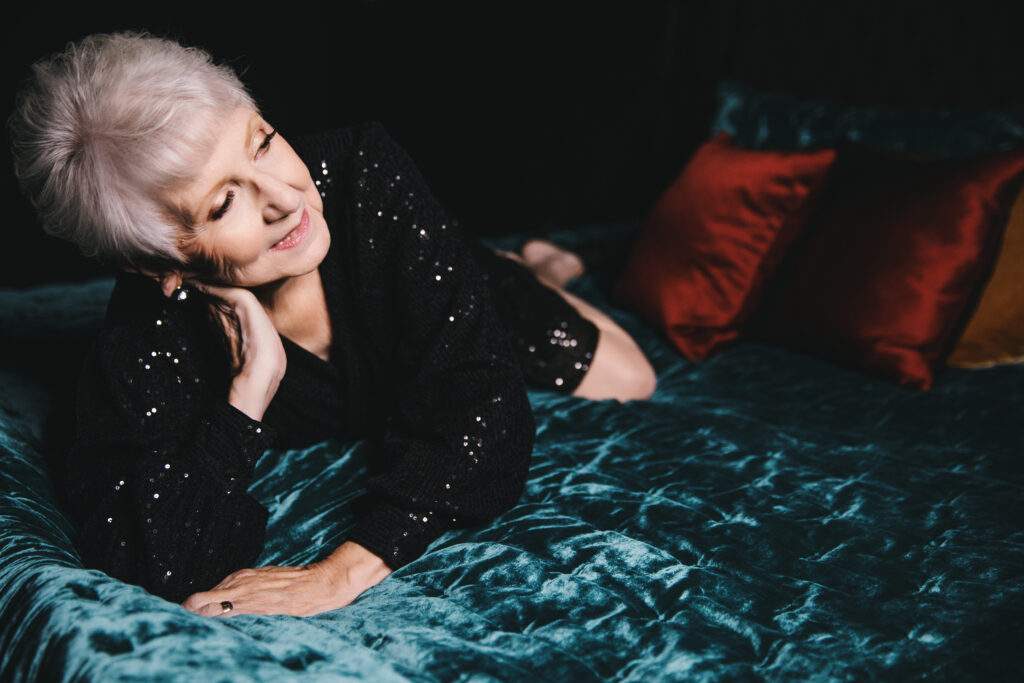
419	366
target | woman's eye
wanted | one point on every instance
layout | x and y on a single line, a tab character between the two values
223	209
266	143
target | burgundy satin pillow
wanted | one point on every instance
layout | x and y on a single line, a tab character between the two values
889	268
713	239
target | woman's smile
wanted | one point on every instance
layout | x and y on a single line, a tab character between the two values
295	236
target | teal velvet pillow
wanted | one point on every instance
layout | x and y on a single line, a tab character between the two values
765	120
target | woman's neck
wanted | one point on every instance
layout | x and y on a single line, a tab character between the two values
297	306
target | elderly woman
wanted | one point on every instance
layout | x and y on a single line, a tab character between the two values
278	296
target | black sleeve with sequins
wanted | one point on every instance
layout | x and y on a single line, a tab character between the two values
461	431
160	465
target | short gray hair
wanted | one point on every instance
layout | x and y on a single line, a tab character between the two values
104	126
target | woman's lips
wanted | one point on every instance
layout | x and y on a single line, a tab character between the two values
297	234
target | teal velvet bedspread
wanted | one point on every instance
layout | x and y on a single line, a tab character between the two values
765	516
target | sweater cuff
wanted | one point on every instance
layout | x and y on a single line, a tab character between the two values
232	442
398	536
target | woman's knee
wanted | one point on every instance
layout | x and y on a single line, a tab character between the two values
639	379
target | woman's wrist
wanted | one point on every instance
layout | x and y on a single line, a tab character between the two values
351	569
247	401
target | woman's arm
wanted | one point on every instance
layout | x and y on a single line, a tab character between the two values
159	470
457	446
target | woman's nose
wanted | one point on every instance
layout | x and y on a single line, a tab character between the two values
278	197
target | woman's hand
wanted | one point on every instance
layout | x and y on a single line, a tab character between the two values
263	358
300	591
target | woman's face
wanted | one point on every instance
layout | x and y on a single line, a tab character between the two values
255	209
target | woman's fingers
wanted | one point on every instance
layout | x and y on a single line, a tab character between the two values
263	360
267	590
221	608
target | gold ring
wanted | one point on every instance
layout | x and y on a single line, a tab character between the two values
226	606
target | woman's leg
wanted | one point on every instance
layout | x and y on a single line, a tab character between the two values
619	368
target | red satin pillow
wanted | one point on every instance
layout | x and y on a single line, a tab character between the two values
890	266
714	238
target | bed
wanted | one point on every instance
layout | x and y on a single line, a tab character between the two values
766	515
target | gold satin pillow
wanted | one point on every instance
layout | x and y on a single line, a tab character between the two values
995	333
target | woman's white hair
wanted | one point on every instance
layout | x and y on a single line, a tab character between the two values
101	129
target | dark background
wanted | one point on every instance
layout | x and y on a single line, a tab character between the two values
531	116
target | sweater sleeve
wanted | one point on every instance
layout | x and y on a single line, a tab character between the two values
460	432
161	462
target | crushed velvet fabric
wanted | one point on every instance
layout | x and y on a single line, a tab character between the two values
765	516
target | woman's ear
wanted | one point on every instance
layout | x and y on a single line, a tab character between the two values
170	281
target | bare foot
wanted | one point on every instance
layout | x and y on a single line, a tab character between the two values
550	262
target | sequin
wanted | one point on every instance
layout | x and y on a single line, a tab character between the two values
324	182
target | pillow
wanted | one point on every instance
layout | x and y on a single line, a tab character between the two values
893	261
714	237
767	120
995	333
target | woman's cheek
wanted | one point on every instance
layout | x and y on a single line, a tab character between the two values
244	251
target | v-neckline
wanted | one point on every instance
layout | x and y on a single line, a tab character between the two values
291	348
